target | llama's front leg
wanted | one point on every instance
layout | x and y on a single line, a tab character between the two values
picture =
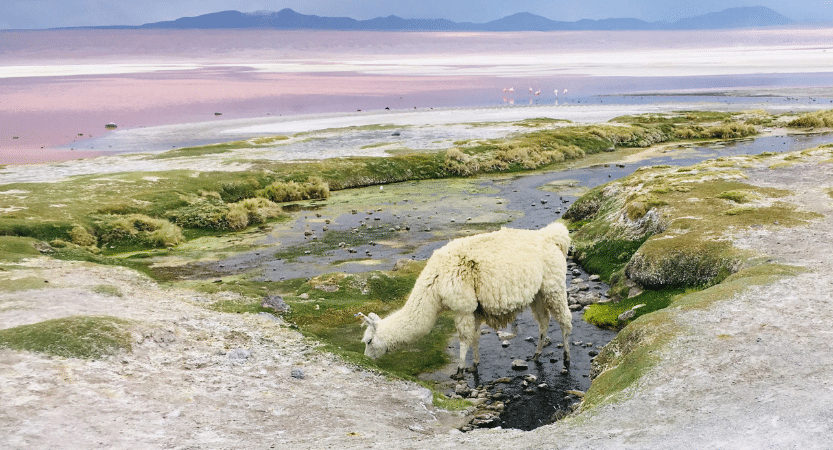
566	328
542	337
475	354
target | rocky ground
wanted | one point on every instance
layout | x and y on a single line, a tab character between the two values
750	371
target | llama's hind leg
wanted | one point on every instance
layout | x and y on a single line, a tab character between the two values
561	312
542	316
467	331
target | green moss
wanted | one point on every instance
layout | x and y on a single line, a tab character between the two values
329	316
676	117
738	196
13	248
606	314
606	258
87	337
23	284
107	289
376	145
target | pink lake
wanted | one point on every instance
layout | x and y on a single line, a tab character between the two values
59	88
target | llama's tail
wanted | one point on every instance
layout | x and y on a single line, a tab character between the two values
557	233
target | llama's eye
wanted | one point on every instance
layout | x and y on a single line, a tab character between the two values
369	341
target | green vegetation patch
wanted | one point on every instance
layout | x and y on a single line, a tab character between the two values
676	117
815	119
86	337
333	300
607	314
23	284
607	257
13	248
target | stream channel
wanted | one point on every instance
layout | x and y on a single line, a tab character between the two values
527	405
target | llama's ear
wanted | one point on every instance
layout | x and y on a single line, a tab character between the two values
369	321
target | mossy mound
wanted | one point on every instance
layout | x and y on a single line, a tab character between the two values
665	227
86	337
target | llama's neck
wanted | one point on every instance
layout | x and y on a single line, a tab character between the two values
413	321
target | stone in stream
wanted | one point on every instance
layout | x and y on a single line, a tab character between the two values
519	364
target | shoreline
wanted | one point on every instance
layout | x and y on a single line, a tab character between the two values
161	138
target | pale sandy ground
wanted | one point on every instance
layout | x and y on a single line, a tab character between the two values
752	371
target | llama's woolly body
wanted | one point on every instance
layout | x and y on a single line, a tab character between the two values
487	278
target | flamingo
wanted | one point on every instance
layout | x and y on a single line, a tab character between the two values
530	90
538	92
511	89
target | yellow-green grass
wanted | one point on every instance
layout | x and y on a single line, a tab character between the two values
86	337
14	248
815	119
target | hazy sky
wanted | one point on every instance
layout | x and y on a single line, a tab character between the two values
18	14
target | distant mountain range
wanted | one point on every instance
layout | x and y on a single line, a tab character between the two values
287	19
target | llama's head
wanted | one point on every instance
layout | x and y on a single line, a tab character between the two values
374	346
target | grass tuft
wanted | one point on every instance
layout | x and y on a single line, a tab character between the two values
86	337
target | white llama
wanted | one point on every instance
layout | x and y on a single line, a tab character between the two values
488	278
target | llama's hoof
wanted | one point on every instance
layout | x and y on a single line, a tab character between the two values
471	369
460	375
536	356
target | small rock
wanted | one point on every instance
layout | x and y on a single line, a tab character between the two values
239	355
531	378
304	296
505	344
276	303
173	414
594	278
519	364
298	373
529	339
627	315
